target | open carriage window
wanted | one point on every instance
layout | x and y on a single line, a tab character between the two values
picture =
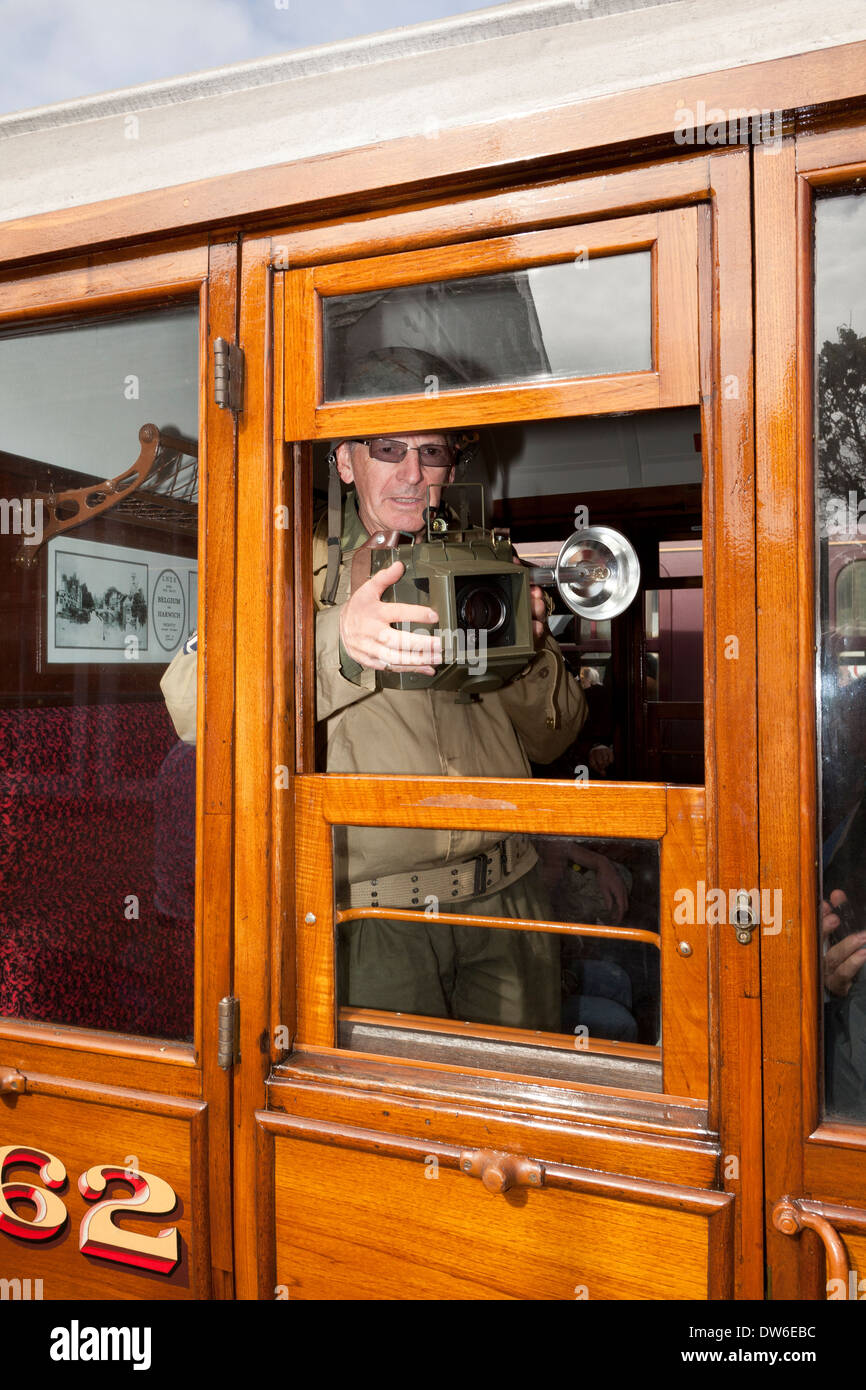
99	465
636	653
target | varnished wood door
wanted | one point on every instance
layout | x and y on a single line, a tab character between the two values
114	1112
377	1113
815	1139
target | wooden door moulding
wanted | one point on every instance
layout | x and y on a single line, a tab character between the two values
258	894
730	733
99	1058
145	275
626	810
828	155
127	1097
837	1132
833	1167
364	178
547	204
487	256
15	1031
555	1174
588	1102
469	1108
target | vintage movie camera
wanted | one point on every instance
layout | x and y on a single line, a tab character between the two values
467	573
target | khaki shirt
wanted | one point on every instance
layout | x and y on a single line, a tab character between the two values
536	716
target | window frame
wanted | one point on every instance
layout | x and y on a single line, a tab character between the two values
670	236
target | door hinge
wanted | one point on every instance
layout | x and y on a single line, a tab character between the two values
228	1044
228	375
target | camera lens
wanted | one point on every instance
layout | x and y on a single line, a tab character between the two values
482	608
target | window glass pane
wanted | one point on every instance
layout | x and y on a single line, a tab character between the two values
525	325
77	397
680	559
674	641
581	1004
97	831
840	314
639	475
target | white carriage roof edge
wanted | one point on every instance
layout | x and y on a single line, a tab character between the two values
475	26
490	66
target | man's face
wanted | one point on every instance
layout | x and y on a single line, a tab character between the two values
392	494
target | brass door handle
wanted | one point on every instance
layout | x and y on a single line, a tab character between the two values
12	1081
791	1215
499	1172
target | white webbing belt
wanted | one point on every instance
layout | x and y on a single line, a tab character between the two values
452	883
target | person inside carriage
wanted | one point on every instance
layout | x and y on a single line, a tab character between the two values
379	487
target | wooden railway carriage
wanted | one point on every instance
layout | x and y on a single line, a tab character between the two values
632	239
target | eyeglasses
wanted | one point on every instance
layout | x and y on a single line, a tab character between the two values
432	456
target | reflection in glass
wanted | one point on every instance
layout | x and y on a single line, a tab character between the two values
594	986
97	793
58	389
840	321
525	325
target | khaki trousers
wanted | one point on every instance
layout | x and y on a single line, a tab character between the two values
476	974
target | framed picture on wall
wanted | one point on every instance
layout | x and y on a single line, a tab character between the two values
111	603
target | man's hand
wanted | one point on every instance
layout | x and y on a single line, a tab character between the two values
610	881
538	606
613	889
539	614
843	959
600	759
368	636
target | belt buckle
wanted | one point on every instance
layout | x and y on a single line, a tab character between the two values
481	866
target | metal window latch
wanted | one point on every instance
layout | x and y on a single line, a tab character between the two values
228	1044
745	919
228	375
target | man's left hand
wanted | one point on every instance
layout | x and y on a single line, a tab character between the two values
539	614
538	606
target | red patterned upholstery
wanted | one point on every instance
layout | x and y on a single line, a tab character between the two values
97	810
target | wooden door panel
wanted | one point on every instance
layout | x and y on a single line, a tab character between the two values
93	1090
399	1219
813	1163
82	1127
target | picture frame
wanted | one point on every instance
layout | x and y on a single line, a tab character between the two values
110	603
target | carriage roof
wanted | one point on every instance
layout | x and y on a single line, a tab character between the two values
488	66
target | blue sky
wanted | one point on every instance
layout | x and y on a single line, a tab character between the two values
55	50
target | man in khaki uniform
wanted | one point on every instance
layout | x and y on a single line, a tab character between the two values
485	975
